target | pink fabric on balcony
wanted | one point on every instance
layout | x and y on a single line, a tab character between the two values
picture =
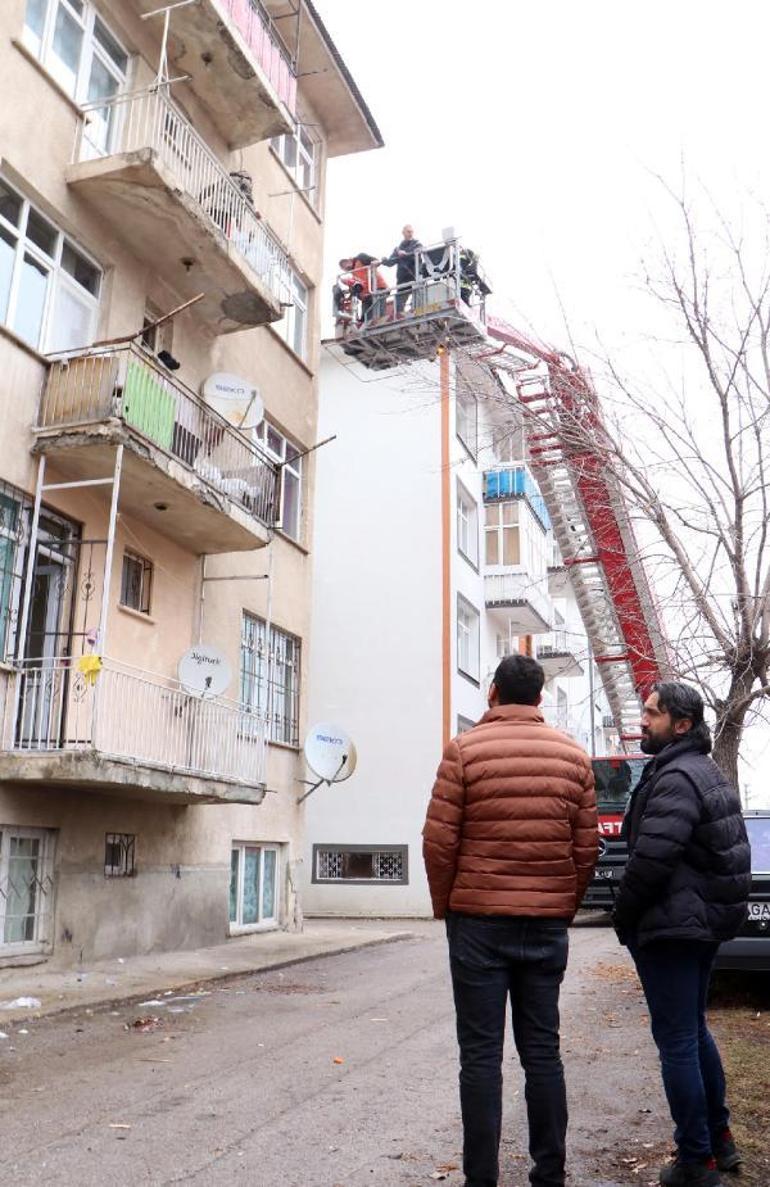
258	37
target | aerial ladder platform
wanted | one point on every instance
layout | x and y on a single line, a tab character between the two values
590	520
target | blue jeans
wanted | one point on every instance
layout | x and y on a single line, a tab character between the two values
493	958
675	977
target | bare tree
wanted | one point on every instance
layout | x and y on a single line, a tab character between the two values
692	461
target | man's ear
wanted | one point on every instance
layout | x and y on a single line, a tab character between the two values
682	726
493	696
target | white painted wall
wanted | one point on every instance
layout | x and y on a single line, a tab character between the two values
375	664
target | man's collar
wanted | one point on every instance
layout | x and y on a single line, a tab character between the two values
533	713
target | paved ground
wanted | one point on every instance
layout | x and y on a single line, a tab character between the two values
333	1073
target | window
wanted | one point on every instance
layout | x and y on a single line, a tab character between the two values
49	290
467	525
300	152
253	885
293	325
26	888
464	723
467	417
136	582
77	48
281	450
14	507
501	534
270	678
119	855
467	638
361	863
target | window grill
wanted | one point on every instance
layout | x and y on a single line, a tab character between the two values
270	678
361	863
26	888
120	855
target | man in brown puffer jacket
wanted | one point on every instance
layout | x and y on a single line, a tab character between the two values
510	843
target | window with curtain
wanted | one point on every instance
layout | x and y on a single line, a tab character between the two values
270	678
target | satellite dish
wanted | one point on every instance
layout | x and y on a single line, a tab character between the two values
234	398
330	753
204	671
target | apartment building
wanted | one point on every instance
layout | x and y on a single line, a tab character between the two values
149	514
435	557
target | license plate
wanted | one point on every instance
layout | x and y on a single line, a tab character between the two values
759	910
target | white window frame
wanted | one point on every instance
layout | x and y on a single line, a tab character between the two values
43	918
42	48
279	448
467	405
237	926
376	851
468	639
304	157
467	526
293	326
56	275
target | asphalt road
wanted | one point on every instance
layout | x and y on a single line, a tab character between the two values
338	1072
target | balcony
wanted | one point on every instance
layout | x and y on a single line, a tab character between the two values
503	483
236	63
556	654
521	600
143	166
186	472
125	731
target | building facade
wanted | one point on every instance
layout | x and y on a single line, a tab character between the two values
147	511
434	558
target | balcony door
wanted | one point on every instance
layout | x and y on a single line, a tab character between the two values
40	709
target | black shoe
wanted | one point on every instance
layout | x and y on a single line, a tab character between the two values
726	1153
691	1174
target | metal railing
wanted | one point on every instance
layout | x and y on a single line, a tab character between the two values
555	643
257	29
149	119
124	713
446	276
125	383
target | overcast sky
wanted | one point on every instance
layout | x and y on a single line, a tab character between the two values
536	130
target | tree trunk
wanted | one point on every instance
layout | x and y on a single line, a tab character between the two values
728	730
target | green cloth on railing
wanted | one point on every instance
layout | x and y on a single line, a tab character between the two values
148	406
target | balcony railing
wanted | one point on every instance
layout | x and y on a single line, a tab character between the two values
149	120
518	588
257	30
555	643
123	713
125	384
515	482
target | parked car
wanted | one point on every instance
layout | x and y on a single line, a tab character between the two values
750	950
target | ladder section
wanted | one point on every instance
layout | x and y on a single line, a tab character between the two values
591	525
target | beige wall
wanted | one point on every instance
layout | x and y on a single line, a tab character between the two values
180	895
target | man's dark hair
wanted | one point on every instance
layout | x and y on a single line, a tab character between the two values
680	701
519	680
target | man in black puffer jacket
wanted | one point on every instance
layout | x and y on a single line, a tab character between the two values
685	889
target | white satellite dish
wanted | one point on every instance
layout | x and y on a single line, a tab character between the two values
330	753
234	398
204	671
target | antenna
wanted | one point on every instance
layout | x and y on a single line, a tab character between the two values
330	754
235	399
203	671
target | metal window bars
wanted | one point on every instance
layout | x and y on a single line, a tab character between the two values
148	119
126	713
126	384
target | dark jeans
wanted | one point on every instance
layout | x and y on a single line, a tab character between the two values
675	978
493	958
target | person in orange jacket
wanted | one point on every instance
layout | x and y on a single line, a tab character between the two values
365	280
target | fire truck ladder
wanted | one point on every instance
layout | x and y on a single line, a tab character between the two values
592	527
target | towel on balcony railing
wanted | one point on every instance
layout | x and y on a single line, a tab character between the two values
148	405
